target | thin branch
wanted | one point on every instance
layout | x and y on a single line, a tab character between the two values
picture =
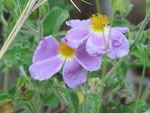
75	5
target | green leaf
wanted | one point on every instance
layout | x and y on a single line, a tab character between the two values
120	22
18	54
9	4
52	100
22	2
142	55
54	20
123	6
4	97
141	107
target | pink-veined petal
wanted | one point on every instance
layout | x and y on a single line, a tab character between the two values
119	45
75	37
121	29
78	23
95	45
90	63
73	74
46	49
44	69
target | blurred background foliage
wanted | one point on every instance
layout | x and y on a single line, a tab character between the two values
19	93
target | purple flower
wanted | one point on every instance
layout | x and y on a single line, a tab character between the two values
98	36
50	56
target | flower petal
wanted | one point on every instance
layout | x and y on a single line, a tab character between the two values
73	74
45	69
122	29
75	37
78	23
119	46
95	45
46	49
90	63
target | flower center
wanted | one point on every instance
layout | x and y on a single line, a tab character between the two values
99	21
65	50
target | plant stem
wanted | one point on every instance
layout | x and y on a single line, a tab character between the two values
86	95
141	83
100	98
40	27
138	34
61	96
146	92
6	80
104	79
140	87
33	107
3	20
98	6
38	4
113	69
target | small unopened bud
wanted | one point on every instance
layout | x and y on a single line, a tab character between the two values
25	92
8	5
40	12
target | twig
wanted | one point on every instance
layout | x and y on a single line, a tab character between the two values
75	5
86	2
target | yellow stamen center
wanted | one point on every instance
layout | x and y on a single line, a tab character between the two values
99	21
65	50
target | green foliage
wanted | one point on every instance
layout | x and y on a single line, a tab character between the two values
75	100
123	6
54	20
21	55
9	4
120	22
40	13
141	52
51	100
5	97
148	7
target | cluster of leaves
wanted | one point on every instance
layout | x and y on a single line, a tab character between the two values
28	95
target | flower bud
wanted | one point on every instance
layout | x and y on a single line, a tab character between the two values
8	4
25	92
40	12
